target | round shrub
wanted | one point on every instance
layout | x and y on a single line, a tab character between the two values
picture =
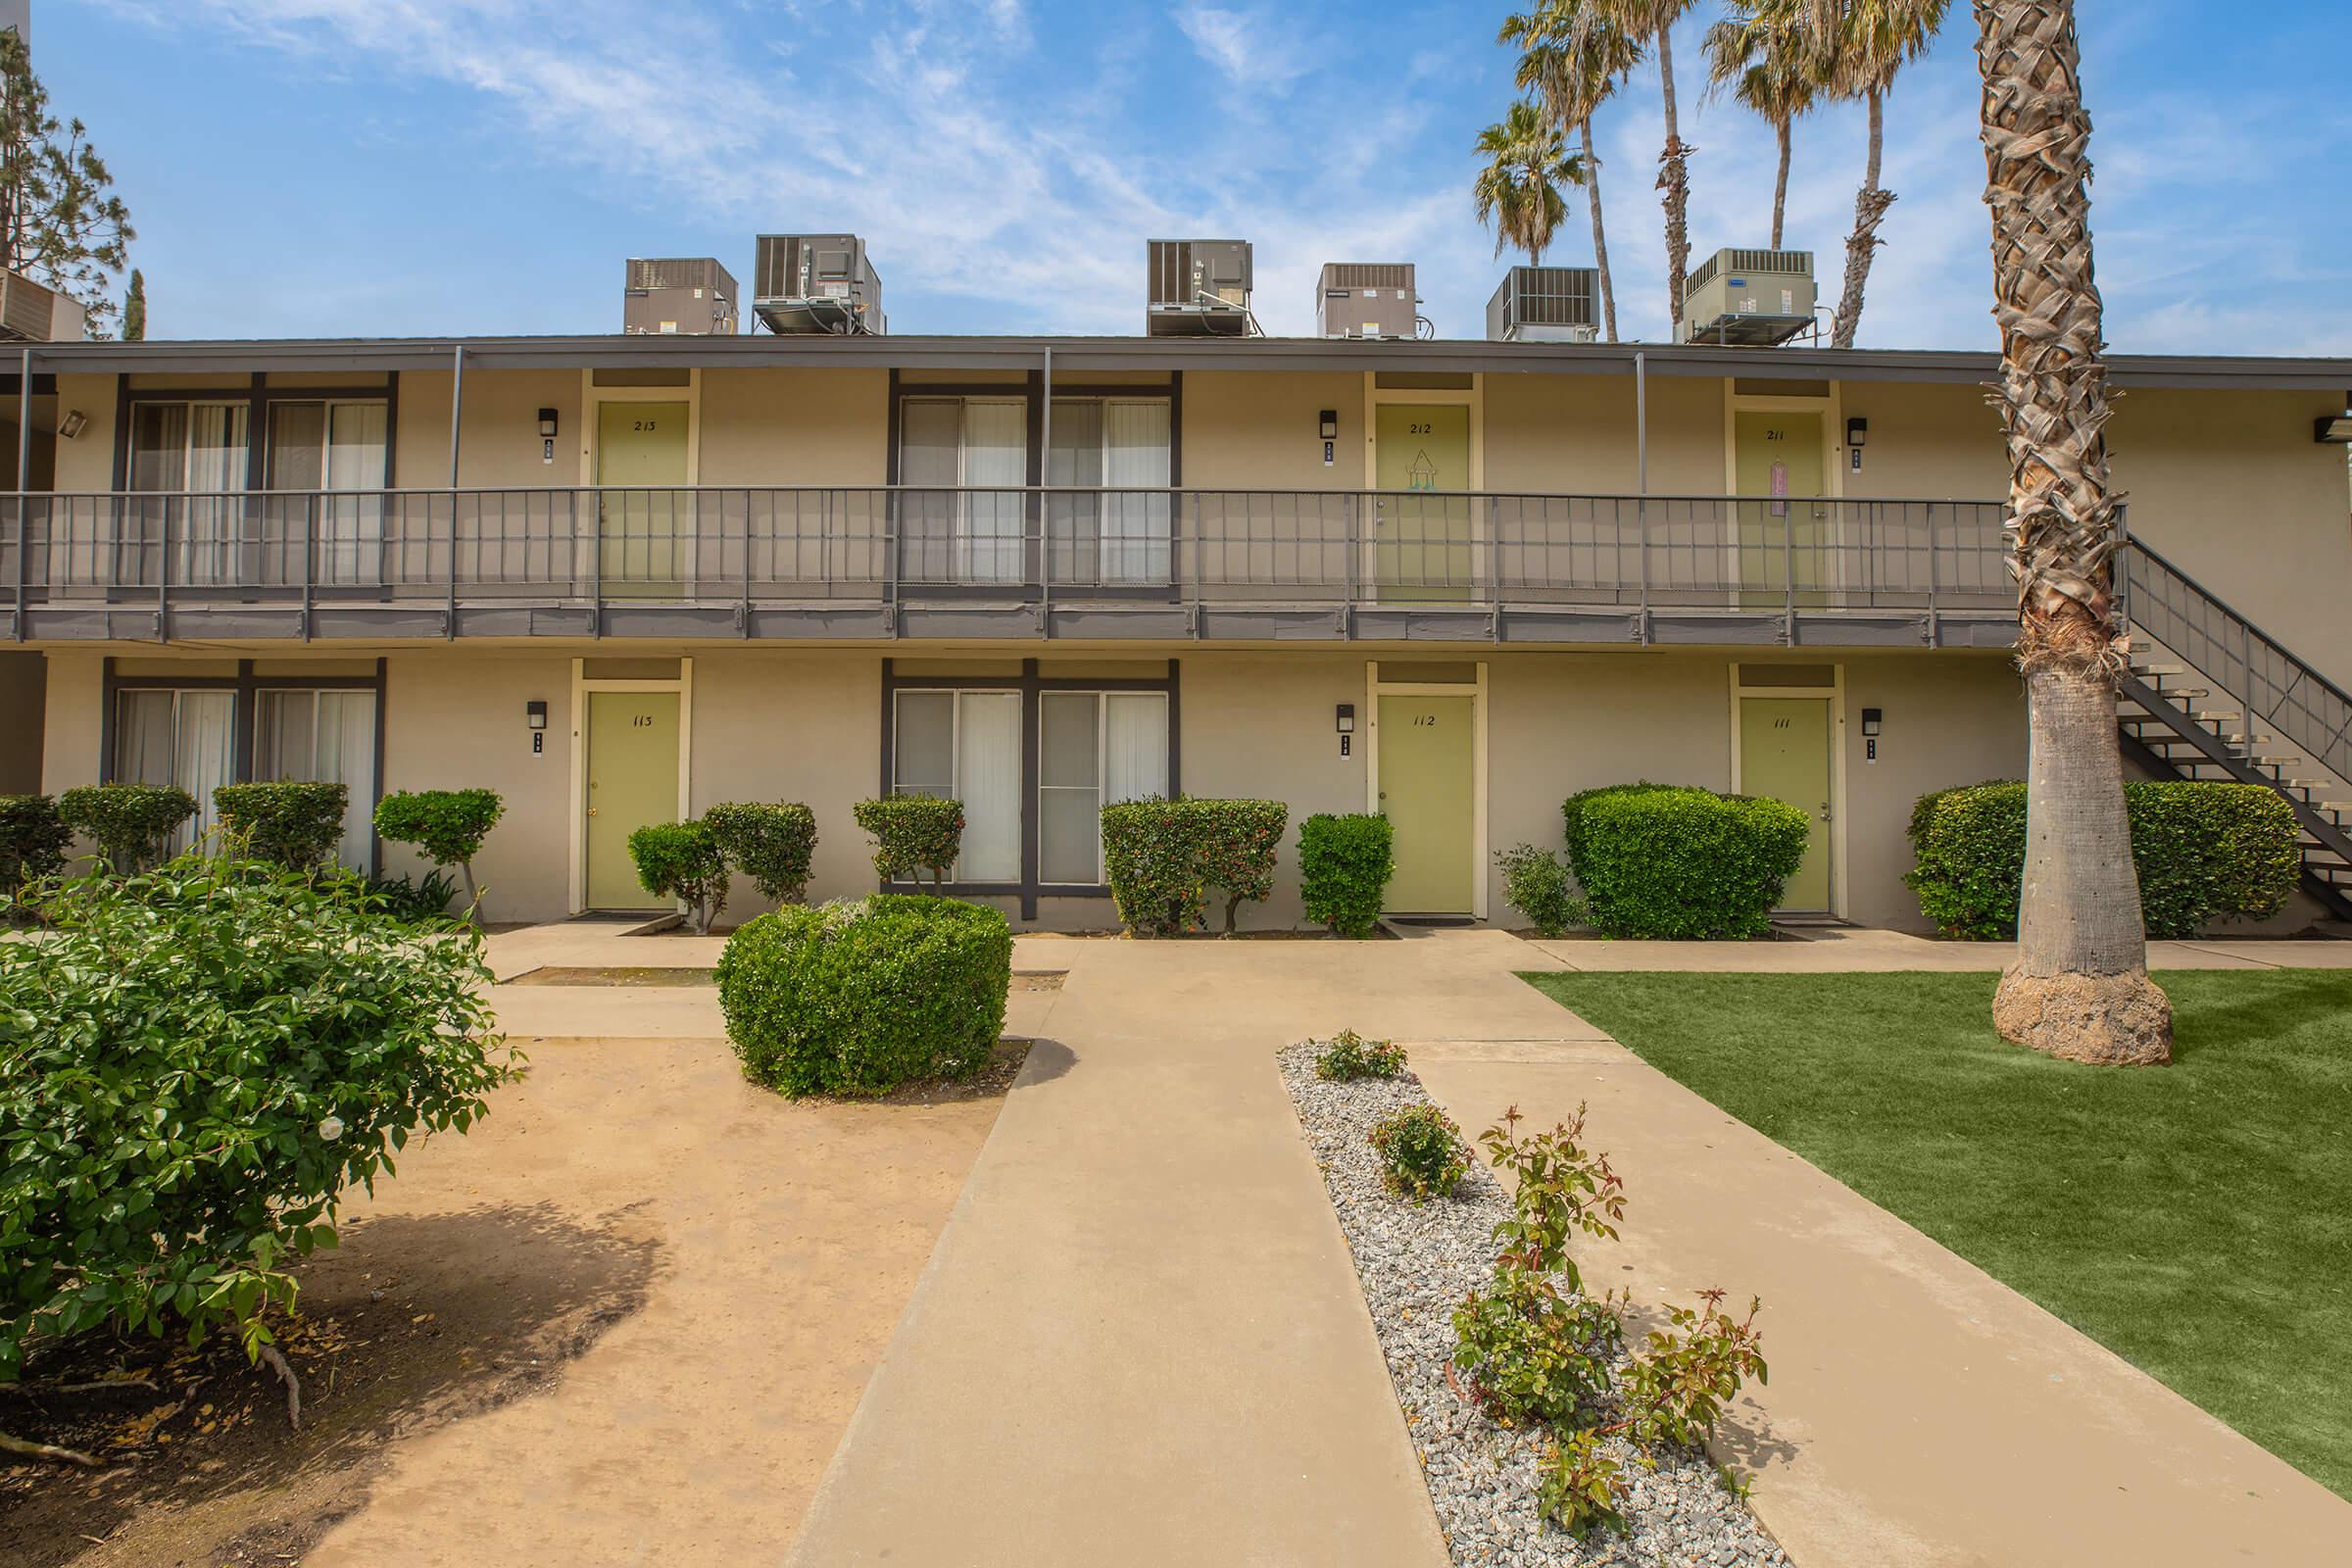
195	1065
858	997
1235	844
913	834
130	824
682	860
1344	864
1152	864
1421	1151
295	823
34	840
1681	863
447	827
1539	885
772	845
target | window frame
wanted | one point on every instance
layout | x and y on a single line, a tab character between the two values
1032	686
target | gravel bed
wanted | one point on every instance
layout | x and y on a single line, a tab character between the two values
1415	1265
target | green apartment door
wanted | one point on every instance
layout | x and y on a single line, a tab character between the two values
1421	535
1784	754
1428	790
632	780
1779	459
640	444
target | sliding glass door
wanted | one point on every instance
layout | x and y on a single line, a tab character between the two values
190	456
337	448
1118	447
966	746
964	461
1095	749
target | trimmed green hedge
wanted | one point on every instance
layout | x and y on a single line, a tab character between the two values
296	823
1162	857
913	834
860	997
772	845
2205	851
34	840
682	860
1344	864
1681	863
130	824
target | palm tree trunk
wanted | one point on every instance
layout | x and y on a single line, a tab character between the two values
1674	178
2079	988
1779	187
1870	210
1601	239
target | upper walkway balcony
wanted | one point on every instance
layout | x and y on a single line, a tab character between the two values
860	565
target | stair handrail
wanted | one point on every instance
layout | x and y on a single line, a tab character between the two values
2331	746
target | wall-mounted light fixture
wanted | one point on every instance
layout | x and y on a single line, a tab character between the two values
1870	721
74	423
1347	726
1870	734
534	714
2334	429
1857	431
1328	424
547	423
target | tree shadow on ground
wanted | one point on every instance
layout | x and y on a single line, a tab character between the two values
416	1321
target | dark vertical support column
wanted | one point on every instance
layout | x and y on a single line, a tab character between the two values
457	414
240	766
375	841
1031	688
108	701
1175	730
23	479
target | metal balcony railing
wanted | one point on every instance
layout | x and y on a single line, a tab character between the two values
896	544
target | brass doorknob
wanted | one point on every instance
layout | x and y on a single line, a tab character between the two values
591	810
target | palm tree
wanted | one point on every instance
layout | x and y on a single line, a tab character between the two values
1860	45
1519	188
2080	987
1573	70
1759	56
1651	22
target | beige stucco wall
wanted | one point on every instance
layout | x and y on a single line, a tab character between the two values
87	461
795	426
70	719
1244	431
499	443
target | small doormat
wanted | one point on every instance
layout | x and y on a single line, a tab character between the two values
637	975
1445	921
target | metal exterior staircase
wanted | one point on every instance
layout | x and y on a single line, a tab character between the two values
2210	696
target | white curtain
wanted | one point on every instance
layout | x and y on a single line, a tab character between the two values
204	756
327	736
988	781
1134	527
209	533
996	453
352	531
1134	746
143	738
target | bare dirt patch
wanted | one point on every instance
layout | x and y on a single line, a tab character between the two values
413	1323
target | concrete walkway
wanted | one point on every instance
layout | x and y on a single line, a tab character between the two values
1140	1338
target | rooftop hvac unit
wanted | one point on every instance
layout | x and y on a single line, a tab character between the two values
817	283
1198	288
1545	305
32	314
683	294
1367	299
1750	298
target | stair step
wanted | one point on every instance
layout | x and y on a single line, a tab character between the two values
2274	761
2159	669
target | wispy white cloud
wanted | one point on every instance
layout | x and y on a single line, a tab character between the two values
1248	47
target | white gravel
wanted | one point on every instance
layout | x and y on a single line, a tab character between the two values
1416	1264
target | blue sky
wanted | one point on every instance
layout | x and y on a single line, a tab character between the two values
429	167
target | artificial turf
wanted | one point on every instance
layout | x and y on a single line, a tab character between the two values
2196	1219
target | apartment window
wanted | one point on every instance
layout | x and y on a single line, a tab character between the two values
178	736
335	446
1093	749
329	737
197	452
966	746
964	461
1116	444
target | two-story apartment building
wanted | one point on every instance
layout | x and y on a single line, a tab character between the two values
622	578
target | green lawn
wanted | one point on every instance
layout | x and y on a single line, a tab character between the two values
2196	1219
